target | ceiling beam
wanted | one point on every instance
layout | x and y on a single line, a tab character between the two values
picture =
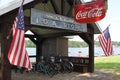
57	34
69	13
63	7
86	37
55	6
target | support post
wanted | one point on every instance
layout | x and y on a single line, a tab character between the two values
5	73
91	54
39	48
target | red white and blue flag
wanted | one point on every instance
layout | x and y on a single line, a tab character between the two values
17	54
105	42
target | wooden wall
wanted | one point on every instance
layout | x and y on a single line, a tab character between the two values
55	47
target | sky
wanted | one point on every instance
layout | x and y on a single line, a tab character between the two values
112	17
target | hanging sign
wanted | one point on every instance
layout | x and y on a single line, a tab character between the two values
50	20
89	12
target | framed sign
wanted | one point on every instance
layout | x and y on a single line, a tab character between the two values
50	20
90	11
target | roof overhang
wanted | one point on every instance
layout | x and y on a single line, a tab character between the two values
16	3
97	29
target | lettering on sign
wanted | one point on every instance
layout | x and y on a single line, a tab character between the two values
95	12
45	19
89	12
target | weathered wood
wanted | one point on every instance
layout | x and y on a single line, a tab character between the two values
5	43
91	54
56	8
63	7
59	34
39	47
6	22
8	17
32	4
90	30
89	39
85	37
69	13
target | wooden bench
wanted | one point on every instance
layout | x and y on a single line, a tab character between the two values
81	68
80	64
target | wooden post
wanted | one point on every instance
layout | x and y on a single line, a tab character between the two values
89	38
38	49
5	73
91	54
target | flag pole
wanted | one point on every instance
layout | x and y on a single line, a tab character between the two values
11	28
23	2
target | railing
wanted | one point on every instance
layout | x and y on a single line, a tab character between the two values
81	64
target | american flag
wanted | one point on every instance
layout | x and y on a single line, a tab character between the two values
17	54
105	42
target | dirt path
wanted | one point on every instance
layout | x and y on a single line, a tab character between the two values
97	75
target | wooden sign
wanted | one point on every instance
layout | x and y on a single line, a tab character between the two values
50	20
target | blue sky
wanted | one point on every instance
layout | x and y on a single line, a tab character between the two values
112	17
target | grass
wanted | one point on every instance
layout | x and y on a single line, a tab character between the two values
108	63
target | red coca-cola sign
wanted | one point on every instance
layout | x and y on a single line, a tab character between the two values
89	12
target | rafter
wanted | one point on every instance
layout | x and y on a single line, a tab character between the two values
55	6
86	37
63	7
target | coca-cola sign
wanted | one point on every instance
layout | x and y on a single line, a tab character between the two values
89	12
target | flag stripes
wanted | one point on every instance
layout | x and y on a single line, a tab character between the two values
106	43
17	54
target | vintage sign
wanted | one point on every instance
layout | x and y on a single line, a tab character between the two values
89	12
45	19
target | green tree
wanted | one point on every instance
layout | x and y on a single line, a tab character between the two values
77	44
29	43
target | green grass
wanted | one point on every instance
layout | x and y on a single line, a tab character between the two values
111	63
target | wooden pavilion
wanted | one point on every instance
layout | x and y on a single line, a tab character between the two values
49	21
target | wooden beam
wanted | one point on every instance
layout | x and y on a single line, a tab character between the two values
32	38
57	34
69	13
5	73
89	38
90	29
39	45
32	4
63	7
71	3
9	17
86	37
91	54
55	6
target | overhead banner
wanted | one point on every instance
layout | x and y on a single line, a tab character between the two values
89	12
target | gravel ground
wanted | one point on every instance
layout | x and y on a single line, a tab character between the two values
97	75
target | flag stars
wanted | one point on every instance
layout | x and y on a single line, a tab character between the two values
20	20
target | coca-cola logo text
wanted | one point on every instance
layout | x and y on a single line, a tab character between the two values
95	12
87	13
